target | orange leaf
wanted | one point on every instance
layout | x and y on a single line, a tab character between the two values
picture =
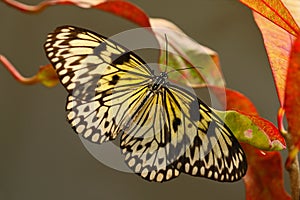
278	45
264	179
292	93
276	12
294	8
121	8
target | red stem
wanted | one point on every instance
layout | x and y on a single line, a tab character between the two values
280	125
27	8
14	72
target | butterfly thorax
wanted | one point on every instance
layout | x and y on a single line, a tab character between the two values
159	81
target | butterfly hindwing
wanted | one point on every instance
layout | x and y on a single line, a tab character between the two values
182	134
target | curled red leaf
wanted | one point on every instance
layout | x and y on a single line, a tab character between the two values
120	8
264	178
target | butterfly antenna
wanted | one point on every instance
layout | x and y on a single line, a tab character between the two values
193	67
166	38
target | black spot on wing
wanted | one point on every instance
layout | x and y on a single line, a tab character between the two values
197	142
106	123
167	136
114	80
118	60
176	123
139	147
64	52
161	160
86	109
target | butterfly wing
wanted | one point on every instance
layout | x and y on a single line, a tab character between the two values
104	81
164	132
176	132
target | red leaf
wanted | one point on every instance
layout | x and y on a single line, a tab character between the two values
278	45
121	8
278	36
264	179
292	94
276	12
126	10
237	101
275	138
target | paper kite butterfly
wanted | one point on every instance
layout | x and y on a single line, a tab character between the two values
165	129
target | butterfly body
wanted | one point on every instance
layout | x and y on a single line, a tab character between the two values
165	128
159	81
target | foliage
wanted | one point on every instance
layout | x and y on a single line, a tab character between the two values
278	23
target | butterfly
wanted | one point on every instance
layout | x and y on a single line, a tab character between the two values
165	128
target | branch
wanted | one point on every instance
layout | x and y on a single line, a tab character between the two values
292	166
292	163
46	74
14	72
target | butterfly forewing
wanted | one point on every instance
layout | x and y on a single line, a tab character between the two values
165	128
101	78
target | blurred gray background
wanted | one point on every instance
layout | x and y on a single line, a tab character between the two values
42	158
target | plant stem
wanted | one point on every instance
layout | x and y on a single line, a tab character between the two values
14	72
292	166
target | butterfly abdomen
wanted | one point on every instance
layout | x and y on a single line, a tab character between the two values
159	82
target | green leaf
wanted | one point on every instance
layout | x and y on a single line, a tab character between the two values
201	64
246	129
